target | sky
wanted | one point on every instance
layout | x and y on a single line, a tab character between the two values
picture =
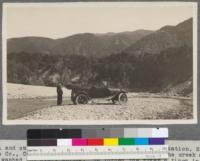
62	20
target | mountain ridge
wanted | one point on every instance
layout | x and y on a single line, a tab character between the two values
86	44
165	37
161	61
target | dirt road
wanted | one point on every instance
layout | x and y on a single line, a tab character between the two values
137	108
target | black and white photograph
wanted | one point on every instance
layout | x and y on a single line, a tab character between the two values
96	63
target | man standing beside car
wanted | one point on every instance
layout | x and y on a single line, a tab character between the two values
59	94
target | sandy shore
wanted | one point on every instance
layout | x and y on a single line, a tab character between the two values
136	108
39	103
20	91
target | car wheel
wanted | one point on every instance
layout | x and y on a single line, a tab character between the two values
81	99
122	98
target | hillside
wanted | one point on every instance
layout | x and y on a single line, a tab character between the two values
30	45
152	73
159	62
166	37
86	44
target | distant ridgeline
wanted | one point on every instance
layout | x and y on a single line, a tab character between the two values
142	60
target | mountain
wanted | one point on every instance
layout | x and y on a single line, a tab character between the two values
154	72
161	61
86	44
166	37
30	45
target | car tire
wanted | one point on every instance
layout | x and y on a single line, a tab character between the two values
122	98
81	99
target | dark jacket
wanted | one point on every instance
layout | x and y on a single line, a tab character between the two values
59	90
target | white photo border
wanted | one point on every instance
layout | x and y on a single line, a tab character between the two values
97	122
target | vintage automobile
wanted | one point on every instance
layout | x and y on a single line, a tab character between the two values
82	95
